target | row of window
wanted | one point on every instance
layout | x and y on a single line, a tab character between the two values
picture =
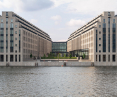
11	58
104	58
2	25
104	25
30	51
30	35
6	20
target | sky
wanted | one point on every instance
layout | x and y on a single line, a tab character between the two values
58	18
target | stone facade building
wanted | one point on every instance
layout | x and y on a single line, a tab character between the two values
19	39
98	38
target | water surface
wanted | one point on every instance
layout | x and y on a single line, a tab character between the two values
58	81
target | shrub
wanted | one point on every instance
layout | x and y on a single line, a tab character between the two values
83	55
44	56
70	56
64	55
30	55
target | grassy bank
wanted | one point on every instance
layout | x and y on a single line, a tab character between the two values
58	58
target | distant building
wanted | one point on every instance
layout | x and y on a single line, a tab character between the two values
59	47
19	39
96	39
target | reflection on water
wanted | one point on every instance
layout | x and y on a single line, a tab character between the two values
58	81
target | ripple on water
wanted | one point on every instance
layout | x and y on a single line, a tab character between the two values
58	81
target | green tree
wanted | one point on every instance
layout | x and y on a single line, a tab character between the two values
70	56
30	55
51	54
83	55
59	55
44	56
64	55
48	55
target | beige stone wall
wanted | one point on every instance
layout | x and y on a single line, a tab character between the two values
87	39
32	39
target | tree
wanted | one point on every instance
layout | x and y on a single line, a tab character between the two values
83	55
59	55
30	55
70	56
51	54
64	55
44	56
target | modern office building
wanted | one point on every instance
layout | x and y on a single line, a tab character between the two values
97	39
19	39
59	47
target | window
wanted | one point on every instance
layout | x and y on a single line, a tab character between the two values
108	34
99	58
99	51
11	44
15	26
103	20
11	38
99	38
113	58
6	25
15	58
1	20
11	20
11	31
11	25
108	58
6	31
104	58
15	32
6	19
99	32
15	44
15	51
113	20
15	38
6	13
6	58
1	58
96	41
96	57
19	58
2	25
109	14
11	58
99	44
99	26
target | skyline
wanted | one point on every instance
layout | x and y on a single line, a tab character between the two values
58	18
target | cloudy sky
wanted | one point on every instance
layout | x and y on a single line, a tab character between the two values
59	18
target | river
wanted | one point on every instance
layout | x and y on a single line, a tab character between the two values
58	81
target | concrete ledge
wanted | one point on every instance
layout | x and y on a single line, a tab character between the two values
48	64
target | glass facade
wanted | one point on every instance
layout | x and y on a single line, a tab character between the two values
108	34
11	40
6	40
19	39
1	40
104	37
114	38
59	47
96	41
79	53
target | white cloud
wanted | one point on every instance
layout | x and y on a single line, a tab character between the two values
15	4
87	6
33	21
74	22
57	17
26	5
